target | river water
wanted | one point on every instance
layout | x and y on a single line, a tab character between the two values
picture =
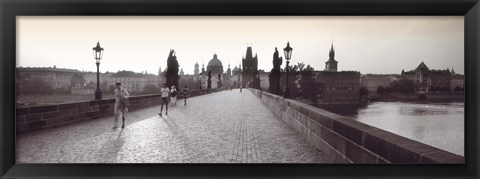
438	125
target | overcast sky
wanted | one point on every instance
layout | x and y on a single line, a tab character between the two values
369	44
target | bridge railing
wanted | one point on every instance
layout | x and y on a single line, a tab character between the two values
41	117
345	140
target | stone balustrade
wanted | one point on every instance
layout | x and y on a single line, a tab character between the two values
345	140
41	117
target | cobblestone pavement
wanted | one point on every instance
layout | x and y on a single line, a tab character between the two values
222	127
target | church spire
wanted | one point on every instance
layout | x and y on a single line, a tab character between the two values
331	64
332	52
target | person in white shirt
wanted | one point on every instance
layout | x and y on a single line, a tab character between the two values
173	95
121	103
165	92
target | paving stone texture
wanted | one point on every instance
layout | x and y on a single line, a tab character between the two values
222	127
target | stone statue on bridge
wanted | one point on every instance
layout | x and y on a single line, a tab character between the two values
219	83
172	76
209	81
275	74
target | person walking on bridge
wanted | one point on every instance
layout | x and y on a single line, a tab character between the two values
165	92
173	98
121	103
185	94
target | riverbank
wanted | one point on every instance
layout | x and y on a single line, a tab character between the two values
428	98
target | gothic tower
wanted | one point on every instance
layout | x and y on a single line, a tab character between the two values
331	64
250	66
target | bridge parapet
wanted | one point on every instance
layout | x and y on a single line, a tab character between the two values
41	117
345	140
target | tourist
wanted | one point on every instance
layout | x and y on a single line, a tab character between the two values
240	88
185	94
165	92
173	97
121	104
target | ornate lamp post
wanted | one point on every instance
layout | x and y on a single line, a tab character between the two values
97	54
288	55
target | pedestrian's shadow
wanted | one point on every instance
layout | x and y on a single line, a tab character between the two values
111	148
178	134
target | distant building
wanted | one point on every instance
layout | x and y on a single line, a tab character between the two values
250	66
203	68
337	87
55	77
458	81
236	78
87	90
181	71
331	64
80	82
427	80
373	81
133	82
215	65
196	71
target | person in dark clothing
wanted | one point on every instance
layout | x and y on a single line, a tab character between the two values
185	94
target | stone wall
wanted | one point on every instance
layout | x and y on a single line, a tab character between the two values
344	140
41	117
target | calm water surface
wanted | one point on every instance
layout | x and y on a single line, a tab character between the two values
438	125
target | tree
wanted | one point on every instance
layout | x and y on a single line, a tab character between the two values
150	89
62	90
403	86
35	86
387	90
380	90
306	81
363	91
190	82
110	90
104	87
77	80
91	84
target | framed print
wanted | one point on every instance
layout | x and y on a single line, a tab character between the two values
239	89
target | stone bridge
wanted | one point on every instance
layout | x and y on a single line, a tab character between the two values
214	127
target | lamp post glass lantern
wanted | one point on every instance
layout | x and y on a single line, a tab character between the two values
288	54
97	54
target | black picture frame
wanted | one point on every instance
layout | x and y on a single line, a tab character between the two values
9	9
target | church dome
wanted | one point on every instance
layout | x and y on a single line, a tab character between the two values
215	62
